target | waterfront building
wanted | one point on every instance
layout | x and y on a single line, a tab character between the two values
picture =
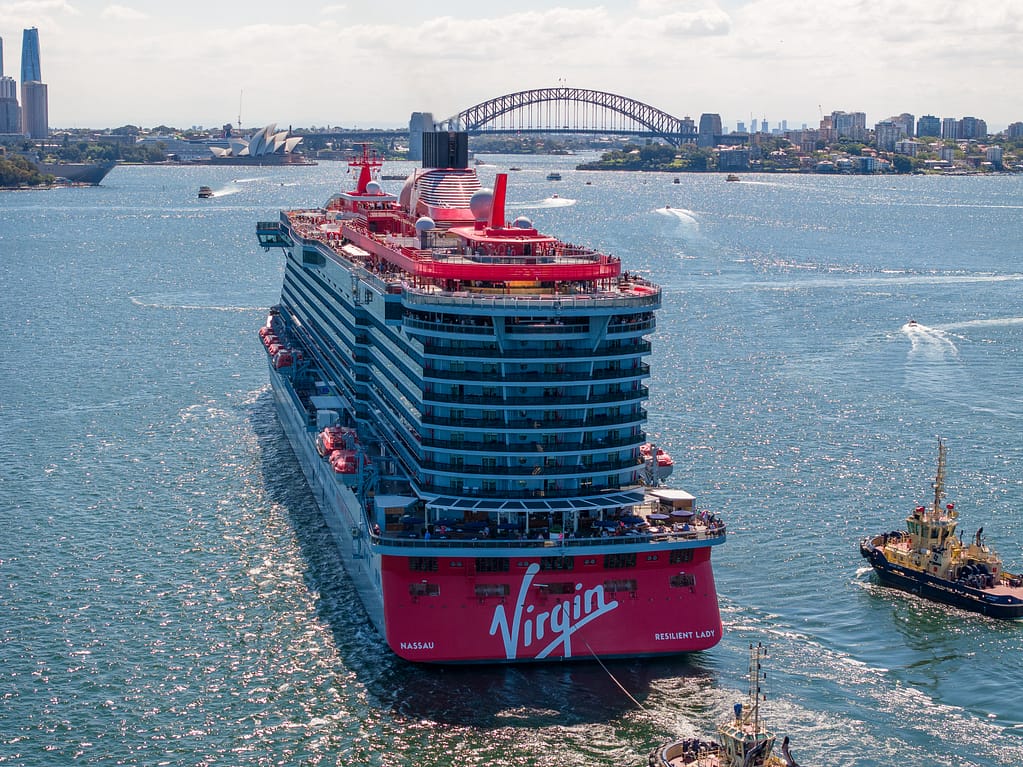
418	124
948	153
886	133
852	125
928	125
710	129
734	158
950	128
993	154
907	147
905	121
35	119
10	112
972	127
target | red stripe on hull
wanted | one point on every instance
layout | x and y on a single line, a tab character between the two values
455	613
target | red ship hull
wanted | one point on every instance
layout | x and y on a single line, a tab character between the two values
455	614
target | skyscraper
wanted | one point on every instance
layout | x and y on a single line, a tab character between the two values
35	119
10	112
31	71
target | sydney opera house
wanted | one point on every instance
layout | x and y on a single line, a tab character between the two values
266	147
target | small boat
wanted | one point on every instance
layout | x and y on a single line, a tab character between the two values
731	177
204	192
514	168
554	176
928	559
743	740
677	180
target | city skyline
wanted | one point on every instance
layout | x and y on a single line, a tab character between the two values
353	65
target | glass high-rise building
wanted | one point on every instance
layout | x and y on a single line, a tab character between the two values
35	119
31	70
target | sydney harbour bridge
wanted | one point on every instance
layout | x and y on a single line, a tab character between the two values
571	110
547	111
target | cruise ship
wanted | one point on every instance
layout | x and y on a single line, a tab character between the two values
465	396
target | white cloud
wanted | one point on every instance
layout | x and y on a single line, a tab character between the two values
348	64
122	13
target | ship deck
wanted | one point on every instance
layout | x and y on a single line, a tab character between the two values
411	268
1001	588
642	528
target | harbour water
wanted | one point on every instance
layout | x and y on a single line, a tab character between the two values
170	595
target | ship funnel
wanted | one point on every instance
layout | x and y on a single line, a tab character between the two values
497	209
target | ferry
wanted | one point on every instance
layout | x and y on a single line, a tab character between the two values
465	396
205	192
743	740
928	559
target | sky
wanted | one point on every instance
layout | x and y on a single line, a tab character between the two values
361	64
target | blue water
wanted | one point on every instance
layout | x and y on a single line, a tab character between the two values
169	595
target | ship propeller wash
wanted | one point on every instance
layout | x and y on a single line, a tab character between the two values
465	396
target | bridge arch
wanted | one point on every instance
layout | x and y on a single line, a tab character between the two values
672	129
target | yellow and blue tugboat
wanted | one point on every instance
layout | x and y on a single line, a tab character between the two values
743	740
928	559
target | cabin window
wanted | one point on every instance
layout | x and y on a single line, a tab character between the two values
624	584
492	565
557	563
619	561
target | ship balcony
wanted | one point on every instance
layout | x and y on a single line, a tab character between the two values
429	486
538	376
556	422
555	447
492	304
640	326
540	355
447	329
530	471
272	235
538	400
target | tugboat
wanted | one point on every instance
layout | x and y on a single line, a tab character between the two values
743	740
929	560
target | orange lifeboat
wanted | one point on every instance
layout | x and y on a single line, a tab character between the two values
665	464
344	461
337	438
284	358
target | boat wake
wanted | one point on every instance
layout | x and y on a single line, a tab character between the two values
928	342
682	215
157	303
547	202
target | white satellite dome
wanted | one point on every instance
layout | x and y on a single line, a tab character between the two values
373	187
522	223
481	203
424	224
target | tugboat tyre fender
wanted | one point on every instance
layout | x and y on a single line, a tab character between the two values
916	560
